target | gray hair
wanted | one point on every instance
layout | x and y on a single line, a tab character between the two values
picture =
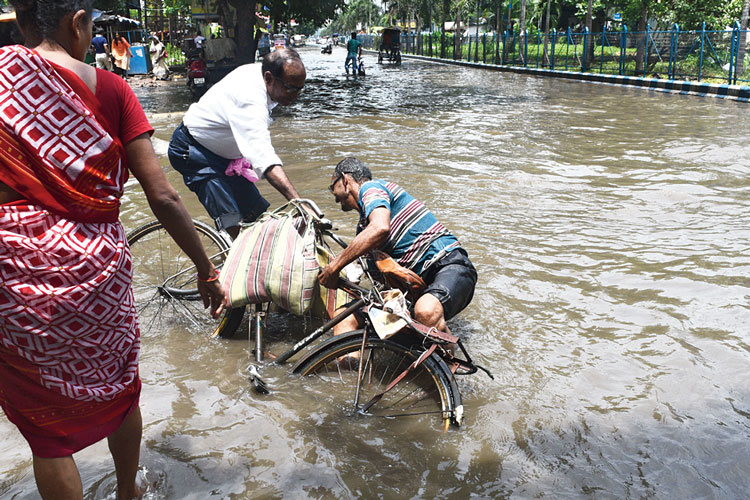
354	167
275	61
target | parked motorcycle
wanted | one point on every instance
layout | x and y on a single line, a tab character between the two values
197	73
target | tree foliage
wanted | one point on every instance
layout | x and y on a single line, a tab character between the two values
357	13
662	14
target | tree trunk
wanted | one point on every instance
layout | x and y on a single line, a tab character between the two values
457	54
522	31
546	58
244	33
640	53
418	33
498	37
588	47
743	38
443	17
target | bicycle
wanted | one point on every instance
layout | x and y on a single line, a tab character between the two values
410	373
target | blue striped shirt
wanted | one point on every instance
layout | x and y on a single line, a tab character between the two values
415	236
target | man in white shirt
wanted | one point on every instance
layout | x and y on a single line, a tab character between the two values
198	40
224	145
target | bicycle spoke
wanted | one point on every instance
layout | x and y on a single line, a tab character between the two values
165	281
422	391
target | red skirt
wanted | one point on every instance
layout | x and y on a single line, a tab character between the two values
69	339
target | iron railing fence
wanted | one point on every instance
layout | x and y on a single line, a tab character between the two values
713	56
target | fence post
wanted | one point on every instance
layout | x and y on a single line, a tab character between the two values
496	39
484	47
567	48
538	44
645	53
623	47
502	59
736	53
601	61
552	54
586	41
731	58
525	48
673	51
700	59
476	45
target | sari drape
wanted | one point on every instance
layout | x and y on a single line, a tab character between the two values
54	147
69	339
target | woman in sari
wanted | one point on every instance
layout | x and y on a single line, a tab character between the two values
69	338
158	58
121	53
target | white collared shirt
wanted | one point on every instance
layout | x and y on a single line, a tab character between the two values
232	118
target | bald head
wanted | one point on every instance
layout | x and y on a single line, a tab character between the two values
281	60
284	75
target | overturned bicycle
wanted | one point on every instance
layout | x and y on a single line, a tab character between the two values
392	367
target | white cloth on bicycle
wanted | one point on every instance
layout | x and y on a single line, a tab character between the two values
388	323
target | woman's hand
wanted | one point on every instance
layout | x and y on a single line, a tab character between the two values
213	296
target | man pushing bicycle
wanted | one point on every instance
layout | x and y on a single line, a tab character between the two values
394	222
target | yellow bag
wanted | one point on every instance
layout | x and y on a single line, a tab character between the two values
327	300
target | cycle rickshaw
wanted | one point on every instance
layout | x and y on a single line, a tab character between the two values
390	45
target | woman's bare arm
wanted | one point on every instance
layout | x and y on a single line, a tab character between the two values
166	205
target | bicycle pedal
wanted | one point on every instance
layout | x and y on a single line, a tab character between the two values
258	384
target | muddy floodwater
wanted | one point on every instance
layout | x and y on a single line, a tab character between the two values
611	230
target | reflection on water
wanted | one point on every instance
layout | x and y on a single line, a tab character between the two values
609	227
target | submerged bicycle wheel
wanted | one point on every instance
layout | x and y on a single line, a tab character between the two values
164	281
428	389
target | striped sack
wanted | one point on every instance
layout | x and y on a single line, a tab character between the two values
273	260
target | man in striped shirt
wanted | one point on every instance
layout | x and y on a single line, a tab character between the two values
393	221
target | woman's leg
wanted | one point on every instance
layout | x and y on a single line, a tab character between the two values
125	446
57	478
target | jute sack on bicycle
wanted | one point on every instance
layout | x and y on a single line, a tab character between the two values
274	260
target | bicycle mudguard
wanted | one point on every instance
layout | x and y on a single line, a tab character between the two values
323	345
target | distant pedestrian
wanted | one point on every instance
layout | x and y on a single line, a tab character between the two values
198	40
101	51
354	50
122	54
158	58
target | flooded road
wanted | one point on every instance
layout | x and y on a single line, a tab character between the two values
610	230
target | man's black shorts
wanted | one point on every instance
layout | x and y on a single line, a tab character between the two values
452	280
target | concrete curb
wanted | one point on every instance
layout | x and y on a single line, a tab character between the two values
722	91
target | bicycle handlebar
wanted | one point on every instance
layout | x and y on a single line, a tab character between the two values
315	208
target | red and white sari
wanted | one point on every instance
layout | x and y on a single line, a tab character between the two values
69	339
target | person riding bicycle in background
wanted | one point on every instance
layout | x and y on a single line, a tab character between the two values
393	221
354	50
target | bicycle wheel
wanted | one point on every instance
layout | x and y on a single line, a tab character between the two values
164	281
428	389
